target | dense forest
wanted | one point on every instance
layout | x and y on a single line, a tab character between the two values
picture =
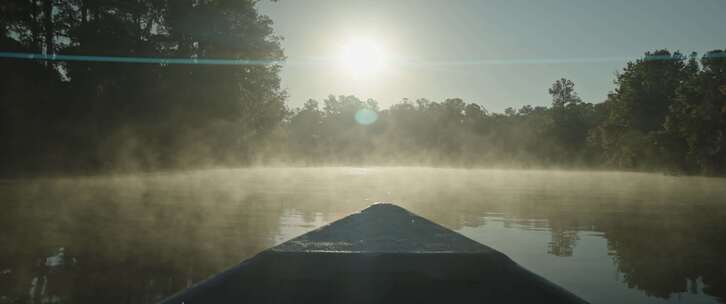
86	116
666	113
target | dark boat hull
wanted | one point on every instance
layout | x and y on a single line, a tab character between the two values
310	269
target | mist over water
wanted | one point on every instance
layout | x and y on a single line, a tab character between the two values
126	89
606	236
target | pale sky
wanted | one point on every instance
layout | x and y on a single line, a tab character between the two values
500	53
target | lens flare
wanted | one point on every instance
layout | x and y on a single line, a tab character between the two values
366	117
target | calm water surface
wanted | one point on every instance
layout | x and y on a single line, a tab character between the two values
608	237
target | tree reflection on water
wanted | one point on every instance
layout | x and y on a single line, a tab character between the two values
139	239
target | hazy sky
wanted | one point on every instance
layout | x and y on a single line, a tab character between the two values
498	53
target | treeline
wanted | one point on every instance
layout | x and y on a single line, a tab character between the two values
667	112
89	116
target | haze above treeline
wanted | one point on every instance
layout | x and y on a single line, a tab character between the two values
667	111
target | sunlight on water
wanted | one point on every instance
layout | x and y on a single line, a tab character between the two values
294	223
607	236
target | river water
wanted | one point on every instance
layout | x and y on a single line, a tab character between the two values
609	237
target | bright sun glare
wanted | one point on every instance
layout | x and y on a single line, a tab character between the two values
362	57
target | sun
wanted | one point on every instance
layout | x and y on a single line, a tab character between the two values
361	57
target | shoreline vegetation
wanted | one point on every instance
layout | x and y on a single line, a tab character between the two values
667	112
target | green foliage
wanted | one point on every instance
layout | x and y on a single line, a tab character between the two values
572	118
697	118
666	112
93	115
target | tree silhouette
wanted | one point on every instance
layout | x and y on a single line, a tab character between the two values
90	116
